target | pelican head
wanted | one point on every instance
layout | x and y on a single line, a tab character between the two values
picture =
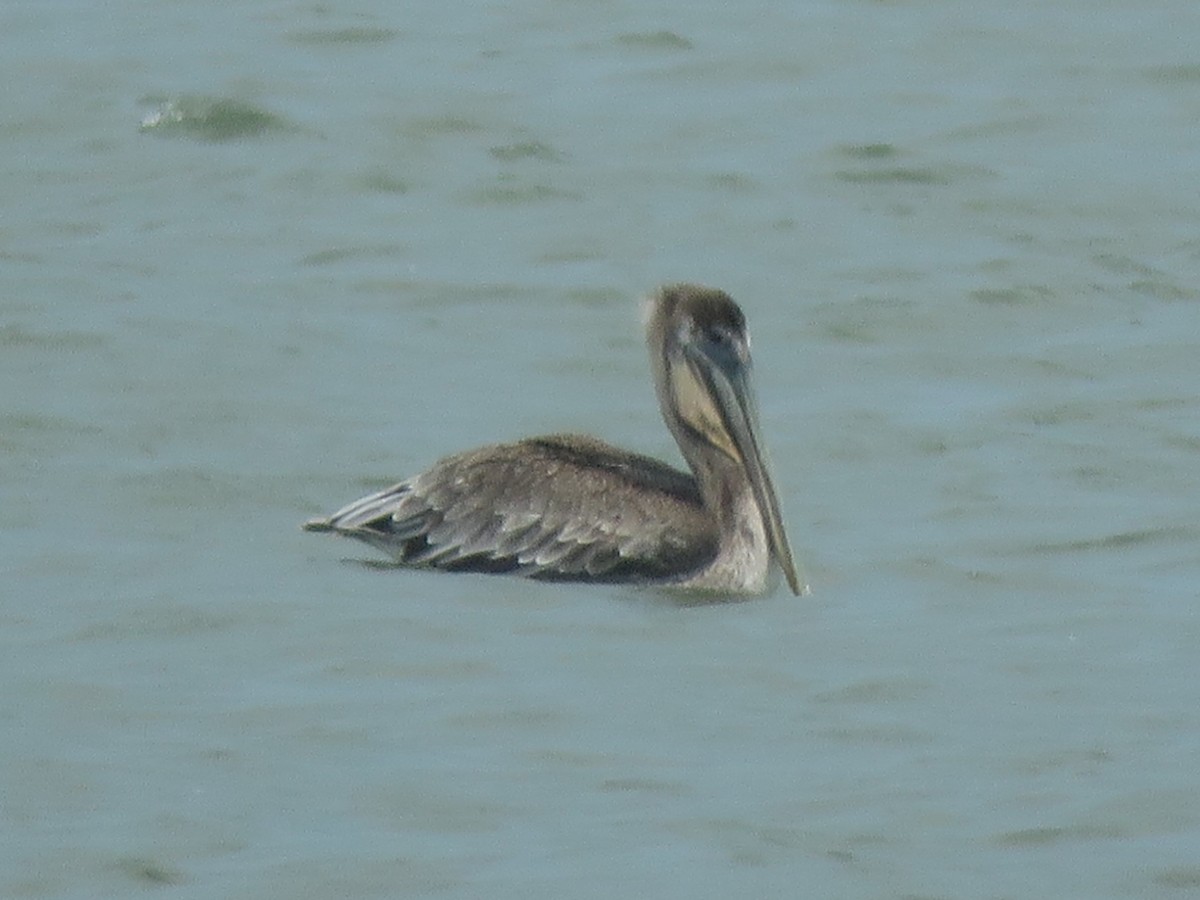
700	354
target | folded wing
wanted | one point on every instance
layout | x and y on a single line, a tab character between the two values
562	507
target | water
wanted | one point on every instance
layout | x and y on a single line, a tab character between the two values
256	259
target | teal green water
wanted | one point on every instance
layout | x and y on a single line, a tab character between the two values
257	259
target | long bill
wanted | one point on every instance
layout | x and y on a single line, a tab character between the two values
729	385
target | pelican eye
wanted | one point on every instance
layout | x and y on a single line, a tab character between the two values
723	343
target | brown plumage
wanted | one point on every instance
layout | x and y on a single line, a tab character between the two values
569	507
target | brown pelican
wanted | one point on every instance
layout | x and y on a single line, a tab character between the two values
572	508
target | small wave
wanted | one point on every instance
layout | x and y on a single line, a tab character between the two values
211	119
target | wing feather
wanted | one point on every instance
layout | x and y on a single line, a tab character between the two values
558	507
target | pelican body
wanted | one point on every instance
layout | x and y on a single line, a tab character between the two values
573	508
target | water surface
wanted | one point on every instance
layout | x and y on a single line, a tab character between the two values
256	260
